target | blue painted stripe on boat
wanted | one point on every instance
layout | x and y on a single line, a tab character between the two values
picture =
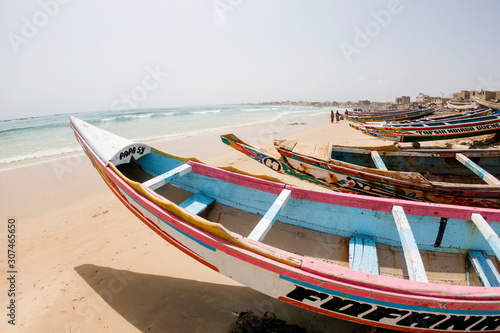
182	232
388	304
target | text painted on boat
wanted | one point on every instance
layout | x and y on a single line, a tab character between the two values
132	151
393	316
460	129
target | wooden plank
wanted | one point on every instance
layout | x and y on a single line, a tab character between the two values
414	263
379	163
288	144
487	232
262	228
168	176
363	255
330	147
304	148
483	174
484	268
321	152
196	203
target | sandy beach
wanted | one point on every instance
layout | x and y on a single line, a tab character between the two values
84	263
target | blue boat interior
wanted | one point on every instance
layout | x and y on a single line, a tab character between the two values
433	168
365	239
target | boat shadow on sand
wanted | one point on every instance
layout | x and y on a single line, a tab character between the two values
154	303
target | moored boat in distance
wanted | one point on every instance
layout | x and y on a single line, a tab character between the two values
461	105
440	176
490	104
395	264
390	115
441	130
428	120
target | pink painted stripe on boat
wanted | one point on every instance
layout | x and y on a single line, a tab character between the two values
386	204
237	178
399	291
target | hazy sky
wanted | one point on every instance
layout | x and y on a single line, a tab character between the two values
60	56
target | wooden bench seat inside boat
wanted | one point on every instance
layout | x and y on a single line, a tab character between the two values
262	228
485	271
363	255
168	176
196	203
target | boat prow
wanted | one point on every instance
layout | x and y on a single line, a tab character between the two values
108	146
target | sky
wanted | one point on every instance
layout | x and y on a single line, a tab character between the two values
67	56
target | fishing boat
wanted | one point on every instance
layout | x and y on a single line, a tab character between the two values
390	116
395	264
441	130
440	176
427	120
461	105
490	104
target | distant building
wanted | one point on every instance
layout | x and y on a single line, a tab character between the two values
421	98
403	100
466	95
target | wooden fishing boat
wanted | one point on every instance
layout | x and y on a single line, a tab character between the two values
489	104
441	176
452	129
360	112
461	105
386	263
393	116
427	120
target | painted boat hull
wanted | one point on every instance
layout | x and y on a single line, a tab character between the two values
352	178
303	281
455	129
431	120
489	104
461	106
398	116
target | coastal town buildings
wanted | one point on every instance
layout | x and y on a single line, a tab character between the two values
399	102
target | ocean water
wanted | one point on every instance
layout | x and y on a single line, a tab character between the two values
29	141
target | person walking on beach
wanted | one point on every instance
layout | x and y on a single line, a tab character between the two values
337	116
331	116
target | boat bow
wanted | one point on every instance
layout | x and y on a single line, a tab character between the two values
108	146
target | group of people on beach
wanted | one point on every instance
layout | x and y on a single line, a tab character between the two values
335	116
